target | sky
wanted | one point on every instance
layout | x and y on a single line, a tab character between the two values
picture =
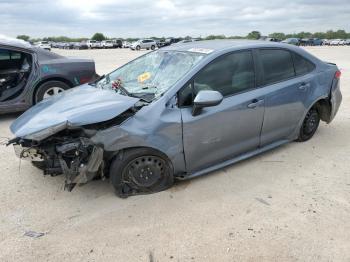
136	18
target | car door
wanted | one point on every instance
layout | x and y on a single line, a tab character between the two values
15	67
144	44
285	91
222	132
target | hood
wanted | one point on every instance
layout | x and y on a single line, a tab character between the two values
78	106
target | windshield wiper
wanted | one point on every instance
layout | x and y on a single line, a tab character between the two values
121	88
149	86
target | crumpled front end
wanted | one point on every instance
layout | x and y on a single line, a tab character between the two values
68	152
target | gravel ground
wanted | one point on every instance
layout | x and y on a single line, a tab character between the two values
289	204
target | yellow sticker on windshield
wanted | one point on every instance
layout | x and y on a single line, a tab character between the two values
143	77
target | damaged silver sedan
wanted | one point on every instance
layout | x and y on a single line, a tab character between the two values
179	112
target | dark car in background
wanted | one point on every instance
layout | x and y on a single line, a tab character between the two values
292	41
117	43
180	112
80	45
30	74
305	42
316	42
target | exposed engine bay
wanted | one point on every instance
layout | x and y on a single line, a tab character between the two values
15	68
70	152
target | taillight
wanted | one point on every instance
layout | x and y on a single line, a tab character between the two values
84	80
337	74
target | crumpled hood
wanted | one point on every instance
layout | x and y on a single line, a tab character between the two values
78	106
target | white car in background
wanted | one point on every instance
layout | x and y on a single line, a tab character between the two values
126	44
144	44
93	44
107	44
342	42
335	42
44	45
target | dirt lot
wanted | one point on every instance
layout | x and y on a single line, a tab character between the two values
290	204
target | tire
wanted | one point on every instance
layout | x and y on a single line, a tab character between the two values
138	48
309	126
39	164
46	88
153	47
140	171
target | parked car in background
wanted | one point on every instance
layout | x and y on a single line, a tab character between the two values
81	46
326	42
188	41
44	45
180	112
107	44
316	42
92	44
271	39
126	44
335	42
347	42
305	42
291	41
161	43
29	74
144	44
117	43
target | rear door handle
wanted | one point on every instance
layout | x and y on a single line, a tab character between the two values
255	103
304	86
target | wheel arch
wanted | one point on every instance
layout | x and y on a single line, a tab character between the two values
111	156
42	81
324	109
323	106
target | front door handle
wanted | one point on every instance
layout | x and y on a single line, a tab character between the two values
255	103
304	86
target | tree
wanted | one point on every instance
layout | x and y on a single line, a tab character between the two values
98	37
279	36
23	37
254	35
212	37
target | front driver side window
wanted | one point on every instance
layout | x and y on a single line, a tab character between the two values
230	74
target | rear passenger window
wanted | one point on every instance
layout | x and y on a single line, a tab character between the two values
302	66
277	65
229	75
4	54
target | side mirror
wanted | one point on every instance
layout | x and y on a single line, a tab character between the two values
206	98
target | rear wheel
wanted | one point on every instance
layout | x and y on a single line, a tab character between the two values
309	126
140	171
49	89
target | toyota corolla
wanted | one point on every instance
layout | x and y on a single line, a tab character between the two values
179	112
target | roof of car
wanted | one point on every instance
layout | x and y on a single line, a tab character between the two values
218	45
14	42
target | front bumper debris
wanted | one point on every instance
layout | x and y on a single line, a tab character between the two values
78	159
27	153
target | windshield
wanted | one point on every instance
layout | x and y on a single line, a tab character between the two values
151	75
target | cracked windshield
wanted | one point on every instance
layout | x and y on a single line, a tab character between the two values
151	75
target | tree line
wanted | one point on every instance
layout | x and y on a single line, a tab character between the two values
330	34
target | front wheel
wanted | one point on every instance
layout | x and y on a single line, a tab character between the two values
153	47
39	164
140	171
309	126
138	48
